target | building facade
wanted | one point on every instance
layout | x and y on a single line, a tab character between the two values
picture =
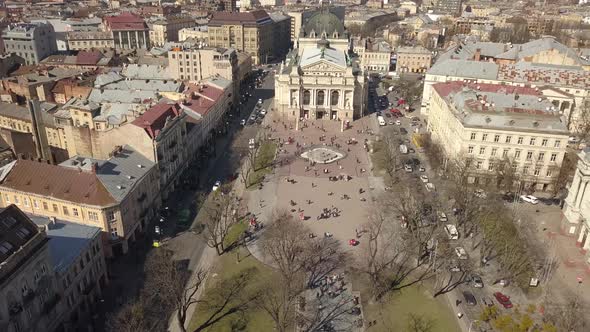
129	31
413	59
32	41
167	29
495	130
28	287
448	7
576	208
319	81
374	54
199	33
250	32
84	40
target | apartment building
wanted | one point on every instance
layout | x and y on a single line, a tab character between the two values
250	32
129	31
576	209
31	41
415	59
118	195
78	259
493	127
85	40
375	54
167	29
448	7
196	64
199	33
28	288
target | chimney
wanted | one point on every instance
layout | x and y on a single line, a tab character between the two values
477	55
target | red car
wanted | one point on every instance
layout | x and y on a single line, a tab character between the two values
503	299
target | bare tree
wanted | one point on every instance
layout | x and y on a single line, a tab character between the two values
570	315
388	157
323	313
219	215
278	300
322	257
419	323
132	317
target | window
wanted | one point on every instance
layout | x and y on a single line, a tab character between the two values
482	150
26	201
517	154
472	136
66	212
111	215
541	156
55	209
494	151
544	142
557	143
470	150
306	97
508	139
16	200
479	163
92	216
532	142
5	247
320	97
537	171
529	155
334	98
484	137
549	172
553	157
7	198
505	153
75	212
497	138
520	139
45	207
35	204
23	233
525	170
490	166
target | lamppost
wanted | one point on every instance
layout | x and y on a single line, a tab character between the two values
471	324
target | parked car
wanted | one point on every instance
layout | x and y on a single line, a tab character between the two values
452	232
216	185
259	101
469	298
430	187
487	301
263	112
477	281
424	178
442	216
398	122
503	299
461	253
243	122
403	131
530	199
479	193
422	169
408	168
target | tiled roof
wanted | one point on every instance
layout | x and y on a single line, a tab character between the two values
56	181
154	119
88	58
252	17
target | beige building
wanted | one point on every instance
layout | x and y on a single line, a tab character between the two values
320	81
576	208
415	59
249	32
497	128
196	64
167	29
118	195
84	40
28	288
374	54
200	33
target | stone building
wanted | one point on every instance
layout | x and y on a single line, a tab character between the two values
318	80
167	29
129	31
84	40
415	59
31	41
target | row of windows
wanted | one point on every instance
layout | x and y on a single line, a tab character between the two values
65	210
517	153
526	170
520	140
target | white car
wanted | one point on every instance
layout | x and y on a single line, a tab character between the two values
461	253
424	178
408	168
479	193
216	185
398	122
263	112
422	169
430	187
259	101
452	233
442	217
157	229
243	122
530	199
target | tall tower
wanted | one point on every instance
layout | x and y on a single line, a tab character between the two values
39	131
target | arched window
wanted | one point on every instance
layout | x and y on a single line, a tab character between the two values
334	98
306	97
320	98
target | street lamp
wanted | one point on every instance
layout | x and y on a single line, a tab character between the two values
471	324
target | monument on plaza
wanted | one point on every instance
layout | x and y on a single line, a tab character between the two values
323	155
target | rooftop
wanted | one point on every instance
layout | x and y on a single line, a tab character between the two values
15	231
119	174
67	241
149	72
154	119
315	55
59	182
255	17
502	107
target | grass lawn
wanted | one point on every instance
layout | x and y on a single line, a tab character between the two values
266	155
226	267
392	315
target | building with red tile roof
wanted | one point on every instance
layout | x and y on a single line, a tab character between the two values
129	30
